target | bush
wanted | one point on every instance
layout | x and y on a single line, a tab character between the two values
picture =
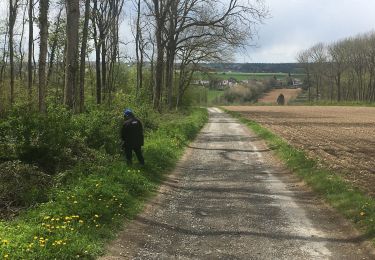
22	184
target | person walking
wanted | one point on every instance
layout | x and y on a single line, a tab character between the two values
281	100
132	137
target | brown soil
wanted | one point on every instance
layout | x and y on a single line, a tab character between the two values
342	138
271	97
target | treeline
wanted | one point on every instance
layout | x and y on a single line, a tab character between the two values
341	71
77	48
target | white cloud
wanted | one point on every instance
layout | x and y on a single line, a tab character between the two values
298	24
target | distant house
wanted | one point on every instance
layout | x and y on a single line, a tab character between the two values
201	82
297	82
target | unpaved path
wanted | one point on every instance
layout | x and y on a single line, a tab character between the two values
230	199
271	97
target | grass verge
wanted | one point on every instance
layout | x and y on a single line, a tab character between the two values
93	200
348	200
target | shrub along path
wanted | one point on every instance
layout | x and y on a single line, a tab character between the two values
230	199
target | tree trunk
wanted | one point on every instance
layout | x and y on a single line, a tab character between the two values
13	5
31	50
43	25
72	26
97	62
20	47
54	46
104	62
83	57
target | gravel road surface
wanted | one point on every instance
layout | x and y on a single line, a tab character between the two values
229	198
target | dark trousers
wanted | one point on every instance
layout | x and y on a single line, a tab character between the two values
138	153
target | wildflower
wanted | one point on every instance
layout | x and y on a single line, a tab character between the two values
362	213
97	185
75	202
46	217
96	215
5	242
80	221
6	256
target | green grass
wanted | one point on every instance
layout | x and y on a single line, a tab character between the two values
350	201
93	200
214	95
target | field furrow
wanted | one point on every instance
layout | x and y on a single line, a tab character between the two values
342	138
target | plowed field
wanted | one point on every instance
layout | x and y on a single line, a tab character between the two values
342	138
271	97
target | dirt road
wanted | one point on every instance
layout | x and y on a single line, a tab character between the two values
271	97
230	199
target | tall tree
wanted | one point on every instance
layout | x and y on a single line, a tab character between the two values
83	56
72	39
30	50
55	40
13	7
43	48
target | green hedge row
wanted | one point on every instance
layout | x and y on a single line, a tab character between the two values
89	201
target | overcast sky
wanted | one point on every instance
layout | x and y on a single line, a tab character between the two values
294	25
298	24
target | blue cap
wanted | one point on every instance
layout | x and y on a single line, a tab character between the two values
128	112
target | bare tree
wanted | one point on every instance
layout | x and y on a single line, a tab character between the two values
43	27
13	8
304	58
232	21
83	56
72	28
30	50
319	59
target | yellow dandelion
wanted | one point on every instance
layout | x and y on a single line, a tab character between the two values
6	256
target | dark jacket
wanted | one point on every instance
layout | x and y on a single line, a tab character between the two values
132	133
